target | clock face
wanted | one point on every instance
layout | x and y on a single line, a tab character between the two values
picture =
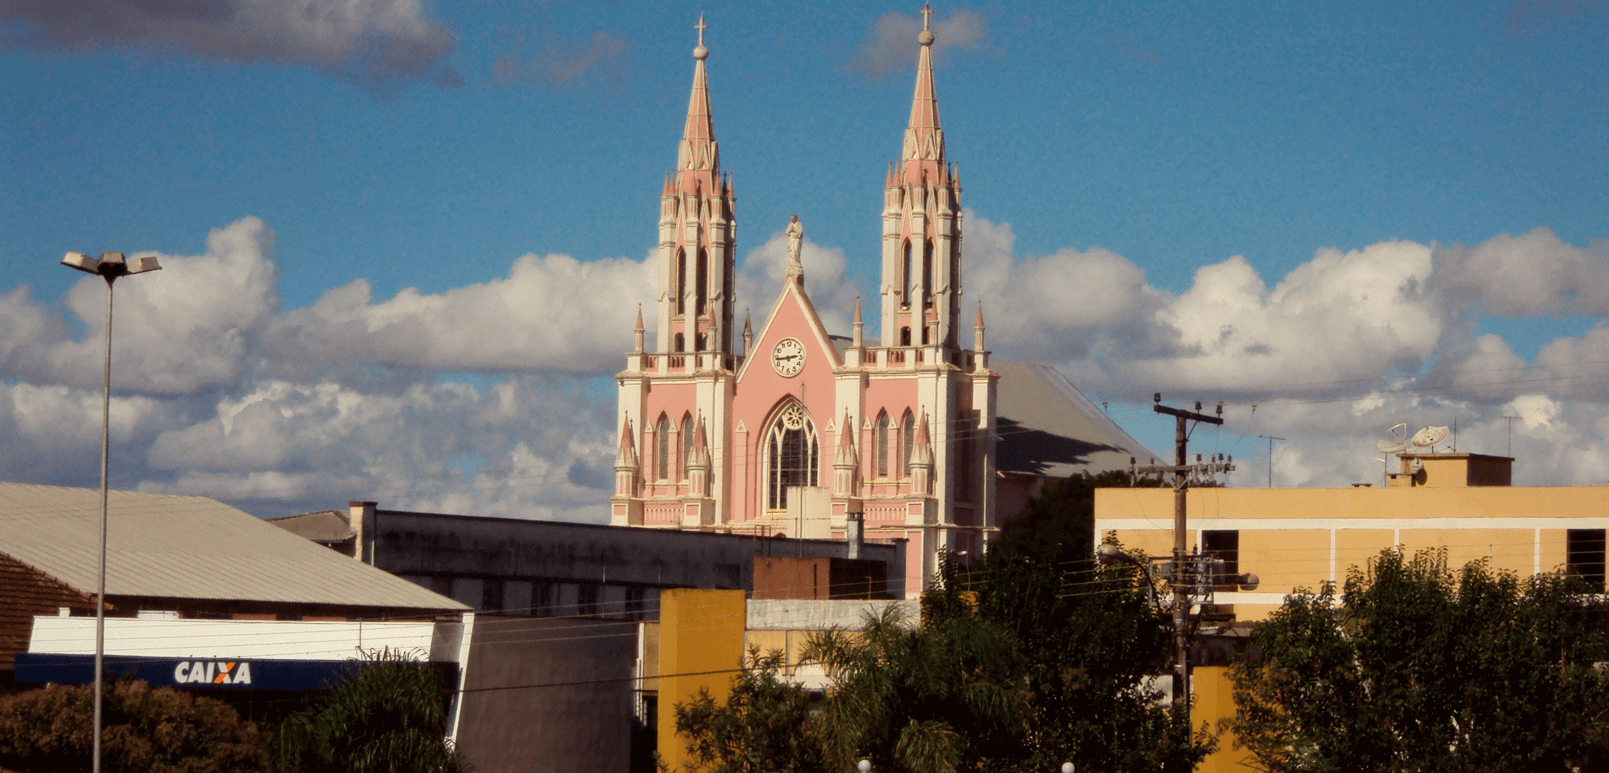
788	357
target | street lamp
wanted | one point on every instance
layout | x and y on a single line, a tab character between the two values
109	266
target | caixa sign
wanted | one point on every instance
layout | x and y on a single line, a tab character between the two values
189	673
218	672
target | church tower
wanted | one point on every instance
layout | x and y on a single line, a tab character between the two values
921	288
696	234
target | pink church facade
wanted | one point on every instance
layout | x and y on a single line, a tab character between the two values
797	432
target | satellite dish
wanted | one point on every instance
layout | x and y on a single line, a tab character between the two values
1389	447
1429	436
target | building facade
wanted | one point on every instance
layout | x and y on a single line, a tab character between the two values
1302	538
795	432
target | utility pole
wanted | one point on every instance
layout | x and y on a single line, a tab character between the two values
1270	439
1181	577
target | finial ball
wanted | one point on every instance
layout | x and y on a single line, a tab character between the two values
926	38
701	52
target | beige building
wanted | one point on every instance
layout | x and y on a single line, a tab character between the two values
1302	538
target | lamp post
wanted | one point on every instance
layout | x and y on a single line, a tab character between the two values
109	266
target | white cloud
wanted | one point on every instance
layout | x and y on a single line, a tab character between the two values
377	43
890	44
1535	274
764	267
550	313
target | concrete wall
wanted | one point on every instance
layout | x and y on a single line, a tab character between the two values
427	545
700	647
564	700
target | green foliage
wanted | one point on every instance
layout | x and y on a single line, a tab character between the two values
390	716
1058	525
943	697
764	726
1088	638
161	730
1419	669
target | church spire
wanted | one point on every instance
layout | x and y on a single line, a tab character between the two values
923	138
921	288
698	151
697	233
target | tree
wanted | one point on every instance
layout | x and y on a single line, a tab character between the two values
155	729
1419	669
763	727
1059	523
391	716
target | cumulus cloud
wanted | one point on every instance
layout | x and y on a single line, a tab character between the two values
377	43
890	44
1535	274
558	62
551	312
185	328
760	282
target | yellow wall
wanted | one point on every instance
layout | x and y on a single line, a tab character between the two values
700	631
1214	703
1302	538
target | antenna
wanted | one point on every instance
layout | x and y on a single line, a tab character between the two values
1270	440
1511	433
1396	445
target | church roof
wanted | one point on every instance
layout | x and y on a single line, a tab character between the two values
1047	427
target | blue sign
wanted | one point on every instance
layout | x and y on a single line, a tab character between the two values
189	673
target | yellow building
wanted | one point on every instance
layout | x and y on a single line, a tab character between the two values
1302	538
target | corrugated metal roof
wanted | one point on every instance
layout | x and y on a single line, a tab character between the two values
167	546
1047	427
321	526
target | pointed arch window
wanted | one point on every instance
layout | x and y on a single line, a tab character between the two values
687	443
793	457
907	431
680	270
880	439
905	276
701	284
662	448
927	274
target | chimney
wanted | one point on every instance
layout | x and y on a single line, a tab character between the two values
855	533
360	516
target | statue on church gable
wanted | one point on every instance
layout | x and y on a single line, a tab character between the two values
795	244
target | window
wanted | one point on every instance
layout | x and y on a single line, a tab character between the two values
905	276
792	455
1584	554
687	444
907	431
542	600
905	336
662	448
586	599
681	342
927	279
680	270
1223	546
701	285
491	596
880	439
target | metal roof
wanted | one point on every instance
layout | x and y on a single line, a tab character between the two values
321	526
167	546
1047	427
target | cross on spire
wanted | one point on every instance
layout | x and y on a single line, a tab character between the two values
701	26
927	11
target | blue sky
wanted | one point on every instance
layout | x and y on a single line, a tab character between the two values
431	147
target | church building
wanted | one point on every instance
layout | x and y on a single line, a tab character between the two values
797	432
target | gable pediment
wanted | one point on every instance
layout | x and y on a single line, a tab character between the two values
792	316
